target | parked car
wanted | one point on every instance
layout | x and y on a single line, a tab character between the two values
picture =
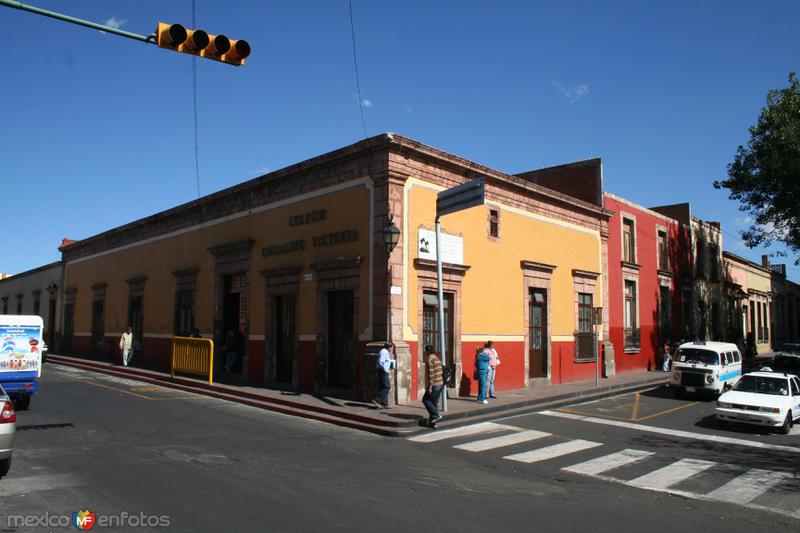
767	399
702	366
8	429
787	359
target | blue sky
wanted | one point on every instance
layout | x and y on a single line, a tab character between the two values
97	130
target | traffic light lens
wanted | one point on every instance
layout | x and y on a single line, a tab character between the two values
177	35
242	48
199	40
221	45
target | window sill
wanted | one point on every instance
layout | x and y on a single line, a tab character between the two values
633	266
632	350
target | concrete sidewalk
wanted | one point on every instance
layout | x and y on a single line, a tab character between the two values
401	420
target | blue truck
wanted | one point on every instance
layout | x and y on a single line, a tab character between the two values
21	348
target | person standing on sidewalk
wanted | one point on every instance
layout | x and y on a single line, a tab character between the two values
494	362
481	369
126	345
434	385
666	358
384	365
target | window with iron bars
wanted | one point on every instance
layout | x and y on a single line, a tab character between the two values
584	337
633	338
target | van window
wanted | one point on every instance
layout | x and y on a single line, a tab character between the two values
795	389
697	355
724	357
736	357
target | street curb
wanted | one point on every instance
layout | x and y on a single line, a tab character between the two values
388	428
269	404
532	406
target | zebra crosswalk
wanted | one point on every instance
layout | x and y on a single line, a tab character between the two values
755	487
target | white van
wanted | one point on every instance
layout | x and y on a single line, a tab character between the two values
705	366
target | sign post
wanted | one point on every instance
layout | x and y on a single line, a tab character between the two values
598	319
452	200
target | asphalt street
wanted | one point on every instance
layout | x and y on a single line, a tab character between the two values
114	446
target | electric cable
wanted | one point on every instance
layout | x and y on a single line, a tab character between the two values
355	64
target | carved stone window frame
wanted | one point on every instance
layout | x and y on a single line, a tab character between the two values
496	209
452	281
537	276
280	282
230	259
185	282
342	274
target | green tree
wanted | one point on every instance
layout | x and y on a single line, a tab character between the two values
765	176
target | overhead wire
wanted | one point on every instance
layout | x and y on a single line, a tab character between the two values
355	64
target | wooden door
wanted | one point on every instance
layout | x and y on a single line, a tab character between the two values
537	334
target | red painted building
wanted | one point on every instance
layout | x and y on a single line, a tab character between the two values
648	258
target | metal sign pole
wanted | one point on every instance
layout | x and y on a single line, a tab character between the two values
440	297
597	319
452	200
596	357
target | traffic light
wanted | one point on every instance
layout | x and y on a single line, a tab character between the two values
199	43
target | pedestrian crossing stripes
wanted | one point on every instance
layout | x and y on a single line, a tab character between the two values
748	486
609	462
744	489
670	475
505	440
551	452
483	427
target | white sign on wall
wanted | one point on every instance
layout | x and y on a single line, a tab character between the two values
452	246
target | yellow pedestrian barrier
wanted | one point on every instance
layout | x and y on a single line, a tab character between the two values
193	356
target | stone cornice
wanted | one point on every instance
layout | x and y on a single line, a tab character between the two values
286	182
452	268
341	262
533	265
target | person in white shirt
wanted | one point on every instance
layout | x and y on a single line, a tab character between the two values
126	345
384	365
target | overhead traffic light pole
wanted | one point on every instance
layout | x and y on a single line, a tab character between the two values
171	36
66	18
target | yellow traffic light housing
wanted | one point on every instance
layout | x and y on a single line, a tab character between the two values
198	42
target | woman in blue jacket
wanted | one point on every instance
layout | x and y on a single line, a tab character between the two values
481	369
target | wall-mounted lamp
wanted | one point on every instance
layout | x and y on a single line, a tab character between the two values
391	235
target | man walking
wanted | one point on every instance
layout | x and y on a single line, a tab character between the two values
126	345
434	385
385	364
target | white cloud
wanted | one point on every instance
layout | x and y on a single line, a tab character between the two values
115	23
366	103
261	170
779	232
740	245
743	221
573	94
409	109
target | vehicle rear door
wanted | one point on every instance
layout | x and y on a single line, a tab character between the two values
795	397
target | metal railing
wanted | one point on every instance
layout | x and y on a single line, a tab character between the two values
193	356
633	338
584	346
